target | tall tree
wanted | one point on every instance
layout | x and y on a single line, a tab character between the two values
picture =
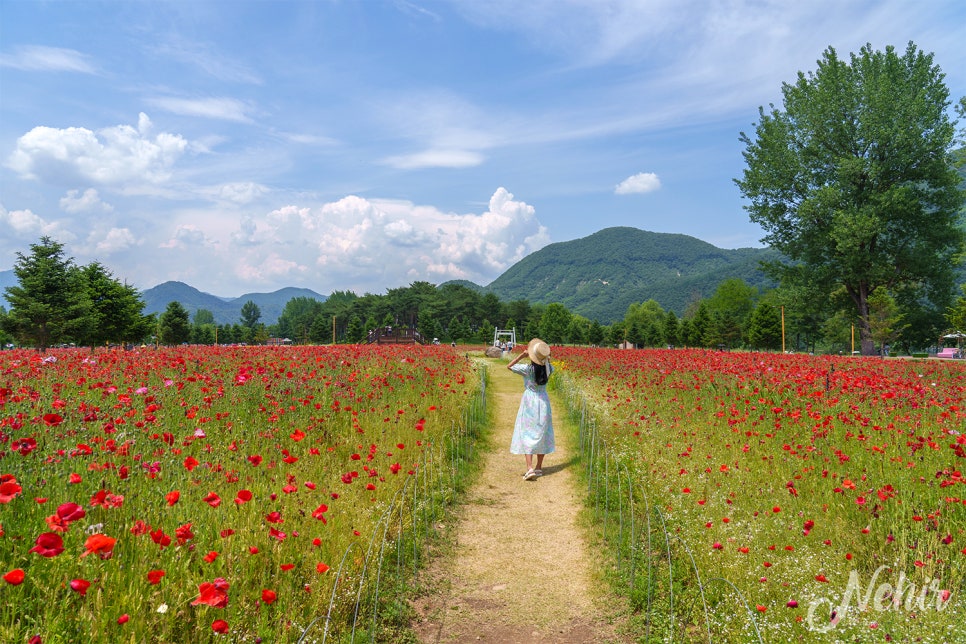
50	302
853	181
554	323
765	327
250	314
174	326
117	310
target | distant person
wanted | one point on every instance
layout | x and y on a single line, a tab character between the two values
533	430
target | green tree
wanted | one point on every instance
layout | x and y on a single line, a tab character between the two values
885	320
174	326
853	181
203	316
956	314
731	306
765	327
596	333
50	304
250	314
5	338
672	329
554	323
296	319
117	310
355	332
577	330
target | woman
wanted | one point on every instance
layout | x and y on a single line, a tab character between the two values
533	431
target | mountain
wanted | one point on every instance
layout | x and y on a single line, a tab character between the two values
601	275
226	311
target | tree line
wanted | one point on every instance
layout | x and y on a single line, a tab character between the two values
58	302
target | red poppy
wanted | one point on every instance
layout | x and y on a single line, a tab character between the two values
80	586
70	512
9	490
15	577
219	626
160	538
319	512
243	496
154	577
172	497
268	596
48	544
211	556
321	567
52	420
190	463
212	499
213	593
99	544
821	578
74	478
123	619
184	534
274	517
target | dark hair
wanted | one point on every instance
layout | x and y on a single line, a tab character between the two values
539	373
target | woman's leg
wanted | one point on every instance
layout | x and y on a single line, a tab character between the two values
540	461
529	459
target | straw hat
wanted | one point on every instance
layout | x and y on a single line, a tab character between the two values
538	350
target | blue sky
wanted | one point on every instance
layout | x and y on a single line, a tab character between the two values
362	145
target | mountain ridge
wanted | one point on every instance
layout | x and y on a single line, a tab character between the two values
225	310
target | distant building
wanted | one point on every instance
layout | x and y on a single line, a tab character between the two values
278	342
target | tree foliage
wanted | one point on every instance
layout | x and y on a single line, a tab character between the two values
116	312
853	179
174	326
50	304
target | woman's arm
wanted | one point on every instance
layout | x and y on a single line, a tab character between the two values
516	359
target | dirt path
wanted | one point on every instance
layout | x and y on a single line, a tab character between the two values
520	571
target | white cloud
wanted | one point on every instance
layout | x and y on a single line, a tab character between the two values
75	202
367	245
640	183
227	109
26	227
240	192
115	240
188	237
23	222
436	159
47	59
114	155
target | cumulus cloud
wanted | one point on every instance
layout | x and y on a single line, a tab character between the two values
75	202
115	155
367	245
640	183
37	58
187	237
114	240
23	227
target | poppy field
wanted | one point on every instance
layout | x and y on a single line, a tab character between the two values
198	493
824	498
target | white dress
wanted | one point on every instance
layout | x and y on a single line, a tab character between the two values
533	431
